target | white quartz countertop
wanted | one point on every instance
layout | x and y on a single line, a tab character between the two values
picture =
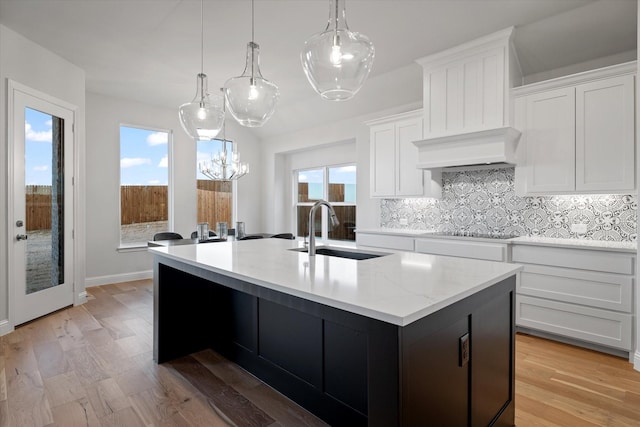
394	231
397	288
524	240
577	243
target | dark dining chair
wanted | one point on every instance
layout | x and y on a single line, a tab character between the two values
251	237
167	235
194	235
288	236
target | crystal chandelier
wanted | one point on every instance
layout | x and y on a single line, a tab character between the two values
251	98
226	164
337	61
202	118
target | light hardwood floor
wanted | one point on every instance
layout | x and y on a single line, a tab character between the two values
92	365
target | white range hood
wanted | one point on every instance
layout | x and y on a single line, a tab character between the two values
467	104
483	147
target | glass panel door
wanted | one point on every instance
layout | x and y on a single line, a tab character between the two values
44	200
41	256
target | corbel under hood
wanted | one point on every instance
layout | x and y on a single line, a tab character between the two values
469	149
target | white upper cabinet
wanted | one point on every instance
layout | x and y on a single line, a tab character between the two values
466	88
605	155
550	140
383	159
394	158
577	133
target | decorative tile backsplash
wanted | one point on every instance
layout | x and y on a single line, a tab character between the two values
484	201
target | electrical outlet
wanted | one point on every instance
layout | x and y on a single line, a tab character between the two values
403	221
579	228
464	350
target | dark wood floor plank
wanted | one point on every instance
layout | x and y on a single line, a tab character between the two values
86	365
124	417
106	397
116	327
4	413
134	381
231	403
264	397
64	388
26	396
39	330
83	319
133	346
75	413
98	337
51	358
3	380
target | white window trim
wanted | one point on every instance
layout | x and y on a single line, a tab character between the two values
325	195
142	246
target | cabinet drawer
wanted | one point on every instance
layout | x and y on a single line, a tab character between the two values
462	248
574	321
601	290
585	259
387	242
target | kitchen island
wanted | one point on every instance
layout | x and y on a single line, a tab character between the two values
400	339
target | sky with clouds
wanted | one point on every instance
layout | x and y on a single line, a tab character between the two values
38	149
337	175
143	156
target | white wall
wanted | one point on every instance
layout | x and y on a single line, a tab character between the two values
277	200
105	264
31	65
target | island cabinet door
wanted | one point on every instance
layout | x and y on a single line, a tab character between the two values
458	363
435	385
492	353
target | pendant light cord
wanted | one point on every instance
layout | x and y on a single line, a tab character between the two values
201	36
252	41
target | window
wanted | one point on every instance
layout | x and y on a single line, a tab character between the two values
215	198
144	183
337	185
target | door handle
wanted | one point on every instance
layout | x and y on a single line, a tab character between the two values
21	237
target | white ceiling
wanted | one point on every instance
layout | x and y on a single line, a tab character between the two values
149	50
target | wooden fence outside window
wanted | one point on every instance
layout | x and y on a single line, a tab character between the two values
139	204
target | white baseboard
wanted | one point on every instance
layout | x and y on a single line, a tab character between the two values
117	278
5	327
636	360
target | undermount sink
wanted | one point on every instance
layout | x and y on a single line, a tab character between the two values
342	253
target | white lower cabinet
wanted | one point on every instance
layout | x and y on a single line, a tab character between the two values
488	251
398	243
582	294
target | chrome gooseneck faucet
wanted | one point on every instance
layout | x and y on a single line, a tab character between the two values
312	226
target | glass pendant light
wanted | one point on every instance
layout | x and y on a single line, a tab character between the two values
203	117
250	97
337	61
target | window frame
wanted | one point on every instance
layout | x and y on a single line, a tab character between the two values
142	245
324	237
234	188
